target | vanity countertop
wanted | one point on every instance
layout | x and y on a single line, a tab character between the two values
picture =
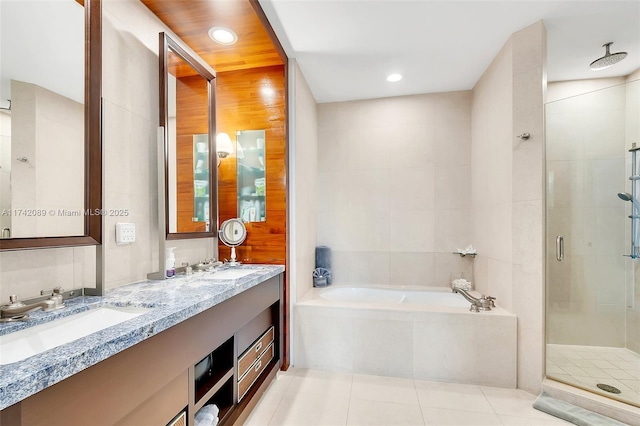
172	301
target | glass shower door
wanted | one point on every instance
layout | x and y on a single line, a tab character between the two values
592	315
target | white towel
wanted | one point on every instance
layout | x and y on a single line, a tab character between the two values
468	250
462	284
207	416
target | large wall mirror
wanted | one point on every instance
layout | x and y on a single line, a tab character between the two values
187	115
50	147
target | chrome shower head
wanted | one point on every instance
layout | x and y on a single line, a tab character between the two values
625	196
608	59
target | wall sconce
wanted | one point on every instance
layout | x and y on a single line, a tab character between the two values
224	147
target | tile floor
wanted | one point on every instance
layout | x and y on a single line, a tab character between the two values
587	366
301	397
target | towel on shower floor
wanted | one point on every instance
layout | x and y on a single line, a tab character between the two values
571	413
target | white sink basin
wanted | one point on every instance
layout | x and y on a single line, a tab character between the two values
31	341
232	274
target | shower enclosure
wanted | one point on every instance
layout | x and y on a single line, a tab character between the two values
592	269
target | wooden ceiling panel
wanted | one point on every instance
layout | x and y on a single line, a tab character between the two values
191	20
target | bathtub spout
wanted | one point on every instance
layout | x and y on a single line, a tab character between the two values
484	303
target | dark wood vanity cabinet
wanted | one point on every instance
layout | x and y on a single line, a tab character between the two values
155	380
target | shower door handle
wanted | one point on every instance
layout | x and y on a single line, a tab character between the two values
559	248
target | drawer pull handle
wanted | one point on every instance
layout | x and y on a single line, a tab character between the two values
258	365
258	347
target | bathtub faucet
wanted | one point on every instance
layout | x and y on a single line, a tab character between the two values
484	303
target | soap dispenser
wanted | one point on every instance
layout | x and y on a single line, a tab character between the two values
171	262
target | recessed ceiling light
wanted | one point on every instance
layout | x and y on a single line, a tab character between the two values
223	35
392	78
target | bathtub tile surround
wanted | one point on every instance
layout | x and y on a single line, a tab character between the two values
312	397
399	203
404	340
382	345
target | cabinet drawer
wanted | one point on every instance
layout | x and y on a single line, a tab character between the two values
254	372
254	351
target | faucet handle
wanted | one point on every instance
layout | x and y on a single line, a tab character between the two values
14	302
491	301
58	290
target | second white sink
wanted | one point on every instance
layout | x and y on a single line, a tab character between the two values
31	341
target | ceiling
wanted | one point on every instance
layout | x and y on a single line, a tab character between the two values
346	48
191	21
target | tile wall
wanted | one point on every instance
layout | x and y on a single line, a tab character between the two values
130	90
508	190
303	183
394	190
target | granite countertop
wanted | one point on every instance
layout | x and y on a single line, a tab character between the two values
171	301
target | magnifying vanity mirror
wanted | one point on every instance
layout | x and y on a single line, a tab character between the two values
187	117
232	234
50	146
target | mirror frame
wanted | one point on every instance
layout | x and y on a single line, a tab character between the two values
166	43
226	224
92	142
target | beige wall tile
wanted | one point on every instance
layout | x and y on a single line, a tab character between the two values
452	187
452	230
412	230
412	188
449	266
25	275
413	269
367	190
371	268
378	161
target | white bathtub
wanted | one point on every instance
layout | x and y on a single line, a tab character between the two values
404	332
444	298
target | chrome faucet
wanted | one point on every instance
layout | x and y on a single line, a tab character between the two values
18	311
484	303
207	265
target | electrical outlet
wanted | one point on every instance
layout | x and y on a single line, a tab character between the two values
125	233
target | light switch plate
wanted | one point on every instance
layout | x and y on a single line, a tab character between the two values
125	233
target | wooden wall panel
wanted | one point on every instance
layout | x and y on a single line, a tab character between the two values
191	21
192	118
242	105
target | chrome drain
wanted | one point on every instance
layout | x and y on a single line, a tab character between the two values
608	388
